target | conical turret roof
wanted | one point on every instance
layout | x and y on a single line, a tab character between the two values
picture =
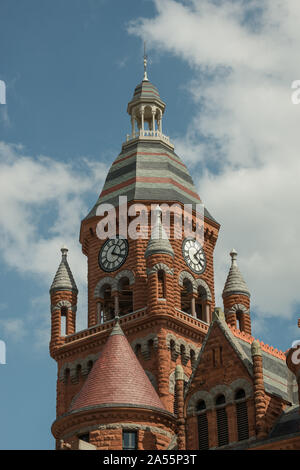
235	283
63	279
159	242
117	378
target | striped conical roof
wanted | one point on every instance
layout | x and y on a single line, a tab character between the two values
117	379
159	242
148	171
235	283
146	90
63	279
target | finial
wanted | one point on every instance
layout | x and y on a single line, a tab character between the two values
117	319
255	348
64	250
233	255
145	64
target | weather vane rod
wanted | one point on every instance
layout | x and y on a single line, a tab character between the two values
145	63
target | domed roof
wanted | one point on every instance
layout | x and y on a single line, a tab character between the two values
146	90
117	378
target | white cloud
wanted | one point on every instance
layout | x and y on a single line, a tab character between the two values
244	139
42	202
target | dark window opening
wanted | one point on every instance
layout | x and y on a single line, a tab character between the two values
129	440
161	285
222	423
186	296
84	437
242	420
201	405
203	432
125	297
239	394
220	400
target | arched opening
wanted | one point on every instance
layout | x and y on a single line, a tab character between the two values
67	375
239	320
63	321
172	349
201	304
138	350
192	357
125	296
150	346
222	421
78	372
106	309
89	366
201	405
161	284
241	414
186	296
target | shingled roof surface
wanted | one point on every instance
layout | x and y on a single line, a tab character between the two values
148	171
117	378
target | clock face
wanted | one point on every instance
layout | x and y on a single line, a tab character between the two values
113	254
194	255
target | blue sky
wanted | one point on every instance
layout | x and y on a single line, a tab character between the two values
225	70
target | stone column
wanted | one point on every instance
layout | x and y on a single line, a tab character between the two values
179	387
153	118
207	316
132	125
142	117
193	305
259	391
163	368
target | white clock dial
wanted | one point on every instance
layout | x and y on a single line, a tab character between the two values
194	255
113	254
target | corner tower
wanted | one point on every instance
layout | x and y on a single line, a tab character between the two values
159	281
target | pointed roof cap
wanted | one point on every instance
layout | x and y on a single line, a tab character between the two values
235	283
117	378
63	279
159	242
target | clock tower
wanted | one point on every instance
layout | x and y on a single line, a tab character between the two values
150	294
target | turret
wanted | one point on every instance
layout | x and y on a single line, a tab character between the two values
159	256
63	295
236	298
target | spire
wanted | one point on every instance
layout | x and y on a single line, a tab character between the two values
235	283
117	378
145	79
63	279
159	242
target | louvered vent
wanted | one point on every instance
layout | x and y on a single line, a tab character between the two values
203	432
242	420
222	423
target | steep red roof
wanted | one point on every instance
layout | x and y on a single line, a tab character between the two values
117	378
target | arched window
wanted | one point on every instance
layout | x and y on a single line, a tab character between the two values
137	349
161	284
172	349
106	310
186	296
241	414
67	375
239	320
201	304
63	321
202	425
125	296
78	372
193	357
222	421
89	366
